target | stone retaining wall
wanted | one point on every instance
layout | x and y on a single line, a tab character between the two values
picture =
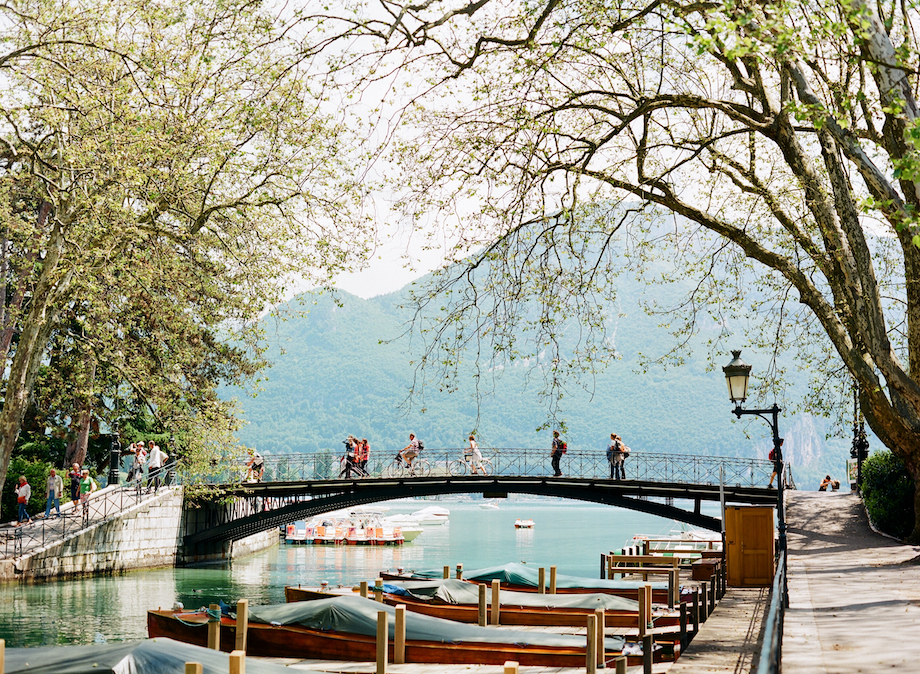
144	536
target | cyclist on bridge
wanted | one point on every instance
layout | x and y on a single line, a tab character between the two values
410	451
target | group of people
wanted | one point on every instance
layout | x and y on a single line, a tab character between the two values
151	456
617	451
81	486
357	453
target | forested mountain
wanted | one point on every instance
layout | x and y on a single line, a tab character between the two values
333	375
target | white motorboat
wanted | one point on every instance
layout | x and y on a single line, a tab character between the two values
491	505
431	516
523	524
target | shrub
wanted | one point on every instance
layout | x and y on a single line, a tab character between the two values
36	473
888	492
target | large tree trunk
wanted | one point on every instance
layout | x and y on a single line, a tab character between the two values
36	331
77	452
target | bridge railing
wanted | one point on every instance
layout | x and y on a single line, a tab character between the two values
519	462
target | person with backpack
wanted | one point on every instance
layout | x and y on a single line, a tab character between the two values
616	454
410	451
559	448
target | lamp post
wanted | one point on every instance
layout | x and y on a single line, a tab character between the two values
737	374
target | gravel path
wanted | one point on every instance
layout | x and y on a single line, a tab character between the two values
854	595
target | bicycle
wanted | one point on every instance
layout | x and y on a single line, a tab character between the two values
464	465
399	468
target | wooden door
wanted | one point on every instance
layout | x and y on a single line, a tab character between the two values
749	539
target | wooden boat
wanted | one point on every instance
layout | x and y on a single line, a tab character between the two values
344	628
521	578
456	600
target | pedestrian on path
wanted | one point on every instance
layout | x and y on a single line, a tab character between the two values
53	490
155	463
87	486
559	448
616	455
23	494
75	475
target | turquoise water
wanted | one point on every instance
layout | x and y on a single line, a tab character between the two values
568	534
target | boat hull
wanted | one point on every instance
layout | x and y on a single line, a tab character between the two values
298	642
508	615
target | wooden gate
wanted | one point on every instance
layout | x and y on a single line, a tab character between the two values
749	538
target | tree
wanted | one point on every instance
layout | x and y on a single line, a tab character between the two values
783	138
166	168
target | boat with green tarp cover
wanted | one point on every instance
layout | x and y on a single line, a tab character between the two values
524	578
153	656
458	600
345	628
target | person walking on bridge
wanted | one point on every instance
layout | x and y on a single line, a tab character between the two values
54	489
559	448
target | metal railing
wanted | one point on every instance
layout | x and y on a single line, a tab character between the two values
771	652
516	462
75	517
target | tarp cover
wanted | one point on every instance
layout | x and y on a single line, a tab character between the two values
452	591
153	656
357	615
528	576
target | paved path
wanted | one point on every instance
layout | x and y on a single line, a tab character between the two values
854	595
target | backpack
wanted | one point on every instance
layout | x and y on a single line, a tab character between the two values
564	447
625	451
421	445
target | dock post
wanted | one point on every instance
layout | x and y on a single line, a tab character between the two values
643	612
591	647
712	595
695	613
683	626
459	571
364	589
383	636
621	664
541	575
603	566
242	624
447	572
237	662
193	668
482	605
673	587
511	667
214	627
648	649
704	601
2	655
496	601
552	580
399	637
378	590
601	623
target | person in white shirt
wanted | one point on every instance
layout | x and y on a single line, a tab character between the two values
54	489
475	458
155	463
23	494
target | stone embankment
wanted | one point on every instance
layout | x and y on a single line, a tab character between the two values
148	534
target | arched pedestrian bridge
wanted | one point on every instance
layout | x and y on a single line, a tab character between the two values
301	486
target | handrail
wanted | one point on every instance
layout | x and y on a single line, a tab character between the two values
771	650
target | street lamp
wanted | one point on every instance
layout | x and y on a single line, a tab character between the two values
737	374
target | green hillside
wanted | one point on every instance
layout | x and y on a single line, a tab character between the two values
332	376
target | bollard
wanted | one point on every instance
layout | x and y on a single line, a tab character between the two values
193	668
447	572
511	667
482	605
459	571
621	665
399	637
591	647
683	626
214	628
242	624
496	601
601	623
541	573
704	601
378	590
695	613
237	662
382	639
648	649
364	589
603	566
552	580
